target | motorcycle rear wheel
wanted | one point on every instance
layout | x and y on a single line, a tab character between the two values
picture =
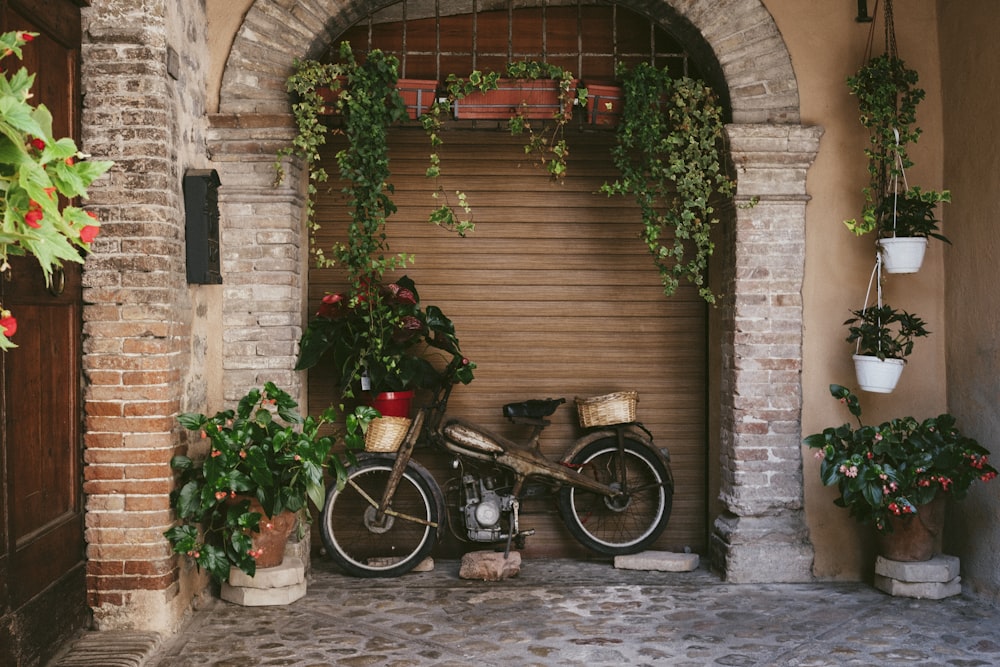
626	524
364	546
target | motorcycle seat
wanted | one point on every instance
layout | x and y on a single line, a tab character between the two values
535	408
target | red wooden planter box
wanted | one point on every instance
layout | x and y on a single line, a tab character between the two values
529	98
604	103
417	94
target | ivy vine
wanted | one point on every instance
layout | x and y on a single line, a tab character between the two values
669	154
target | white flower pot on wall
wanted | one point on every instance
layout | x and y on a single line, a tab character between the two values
903	254
877	375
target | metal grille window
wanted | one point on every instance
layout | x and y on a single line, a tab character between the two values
433	38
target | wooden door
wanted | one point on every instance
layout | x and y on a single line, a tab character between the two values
42	578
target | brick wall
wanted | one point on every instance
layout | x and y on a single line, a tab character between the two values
137	315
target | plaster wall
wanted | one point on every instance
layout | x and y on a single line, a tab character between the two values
826	45
971	89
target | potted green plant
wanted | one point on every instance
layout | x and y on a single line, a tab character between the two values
888	475
904	224
903	217
883	338
379	341
38	174
680	118
238	505
528	90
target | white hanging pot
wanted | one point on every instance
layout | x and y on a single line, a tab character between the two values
877	375
903	254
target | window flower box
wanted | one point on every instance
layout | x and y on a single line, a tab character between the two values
604	103
528	98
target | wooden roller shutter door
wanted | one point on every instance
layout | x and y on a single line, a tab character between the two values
552	295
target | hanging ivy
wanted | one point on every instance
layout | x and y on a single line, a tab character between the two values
669	154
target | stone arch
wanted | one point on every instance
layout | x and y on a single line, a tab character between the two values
761	535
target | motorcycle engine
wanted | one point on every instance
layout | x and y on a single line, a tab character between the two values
484	508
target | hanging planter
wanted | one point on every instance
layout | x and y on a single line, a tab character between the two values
883	338
903	254
877	375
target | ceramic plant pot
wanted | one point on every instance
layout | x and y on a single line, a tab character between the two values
877	375
903	254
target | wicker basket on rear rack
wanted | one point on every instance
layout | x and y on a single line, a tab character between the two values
385	434
616	408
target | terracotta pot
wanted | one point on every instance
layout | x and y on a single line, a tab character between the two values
915	537
273	535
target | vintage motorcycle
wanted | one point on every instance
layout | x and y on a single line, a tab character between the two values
614	489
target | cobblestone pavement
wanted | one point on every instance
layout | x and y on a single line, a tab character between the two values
561	612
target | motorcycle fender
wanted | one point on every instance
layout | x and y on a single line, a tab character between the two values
632	431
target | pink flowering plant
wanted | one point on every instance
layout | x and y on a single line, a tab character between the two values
383	333
894	468
39	175
263	450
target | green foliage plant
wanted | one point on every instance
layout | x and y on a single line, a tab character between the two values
38	175
264	450
896	467
669	156
367	103
548	142
888	95
386	335
884	332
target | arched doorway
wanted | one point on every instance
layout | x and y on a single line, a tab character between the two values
759	534
553	294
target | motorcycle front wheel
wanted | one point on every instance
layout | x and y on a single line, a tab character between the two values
365	544
623	524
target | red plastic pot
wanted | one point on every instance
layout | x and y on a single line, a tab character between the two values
393	403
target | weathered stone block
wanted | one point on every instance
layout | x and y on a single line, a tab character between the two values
658	561
940	569
290	572
279	585
490	565
924	590
263	597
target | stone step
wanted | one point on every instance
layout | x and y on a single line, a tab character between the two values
658	561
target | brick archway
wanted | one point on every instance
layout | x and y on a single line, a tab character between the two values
761	535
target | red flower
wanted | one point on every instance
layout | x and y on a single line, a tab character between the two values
69	162
25	36
33	217
89	233
38	144
331	305
9	325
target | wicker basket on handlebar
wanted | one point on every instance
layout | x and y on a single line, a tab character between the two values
616	408
385	434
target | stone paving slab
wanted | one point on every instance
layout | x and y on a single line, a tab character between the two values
560	612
